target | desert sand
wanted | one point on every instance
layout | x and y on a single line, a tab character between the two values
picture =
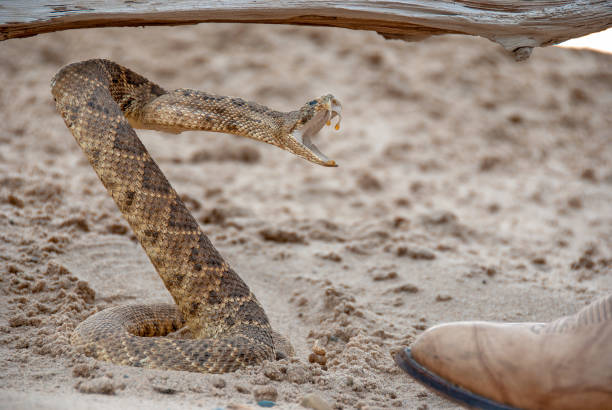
469	187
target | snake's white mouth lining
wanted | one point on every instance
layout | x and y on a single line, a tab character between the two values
312	127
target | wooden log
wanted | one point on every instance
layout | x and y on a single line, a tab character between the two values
517	25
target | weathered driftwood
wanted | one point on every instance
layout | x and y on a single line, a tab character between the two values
517	25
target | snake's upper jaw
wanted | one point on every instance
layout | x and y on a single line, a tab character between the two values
318	115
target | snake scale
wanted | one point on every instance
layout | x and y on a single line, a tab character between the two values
101	103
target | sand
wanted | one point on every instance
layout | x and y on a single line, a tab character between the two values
469	187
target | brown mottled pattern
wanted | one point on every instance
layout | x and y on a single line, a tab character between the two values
100	101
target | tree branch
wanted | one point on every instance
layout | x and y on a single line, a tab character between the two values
517	25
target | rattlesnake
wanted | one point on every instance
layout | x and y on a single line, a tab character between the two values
101	102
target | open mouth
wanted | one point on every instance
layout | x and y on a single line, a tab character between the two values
324	115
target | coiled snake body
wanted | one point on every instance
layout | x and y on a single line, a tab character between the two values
101	102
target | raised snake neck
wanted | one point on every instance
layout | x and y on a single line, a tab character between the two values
98	100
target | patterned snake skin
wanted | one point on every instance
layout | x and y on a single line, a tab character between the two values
101	102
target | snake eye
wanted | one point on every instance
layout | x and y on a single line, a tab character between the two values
313	102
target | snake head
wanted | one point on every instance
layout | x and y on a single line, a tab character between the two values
311	118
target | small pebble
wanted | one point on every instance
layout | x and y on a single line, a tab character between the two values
385	276
265	393
272	372
15	201
443	297
408	288
266	403
82	370
298	374
218	382
314	401
317	349
315	358
100	385
415	253
164	389
242	389
236	406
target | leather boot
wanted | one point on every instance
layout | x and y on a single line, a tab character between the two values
564	364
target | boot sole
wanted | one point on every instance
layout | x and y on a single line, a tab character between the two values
443	387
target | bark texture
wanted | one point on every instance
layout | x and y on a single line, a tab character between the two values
517	25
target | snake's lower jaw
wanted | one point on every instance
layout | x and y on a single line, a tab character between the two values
303	145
